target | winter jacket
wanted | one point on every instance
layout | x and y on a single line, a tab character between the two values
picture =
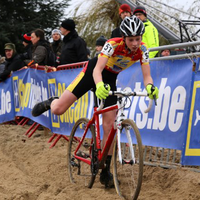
13	64
27	55
57	47
73	49
116	33
150	37
39	52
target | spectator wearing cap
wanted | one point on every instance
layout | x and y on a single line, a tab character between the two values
57	44
26	41
165	52
13	61
150	36
124	11
74	47
99	44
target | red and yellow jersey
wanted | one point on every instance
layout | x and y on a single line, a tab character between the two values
120	57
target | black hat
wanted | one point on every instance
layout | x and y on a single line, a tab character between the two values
140	9
68	24
101	41
27	38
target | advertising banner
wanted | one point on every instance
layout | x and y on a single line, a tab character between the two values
191	154
173	123
7	110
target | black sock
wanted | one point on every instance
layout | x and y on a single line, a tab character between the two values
49	101
108	161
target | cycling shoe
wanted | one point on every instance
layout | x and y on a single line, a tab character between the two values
106	178
41	107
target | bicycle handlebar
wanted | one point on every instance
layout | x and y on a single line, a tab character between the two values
127	94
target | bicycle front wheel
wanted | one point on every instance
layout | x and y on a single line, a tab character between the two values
80	171
128	161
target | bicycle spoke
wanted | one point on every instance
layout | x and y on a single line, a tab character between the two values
80	171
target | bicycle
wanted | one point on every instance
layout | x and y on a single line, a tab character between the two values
85	156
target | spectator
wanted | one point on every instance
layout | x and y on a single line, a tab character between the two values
165	52
27	55
74	47
99	44
150	36
2	63
57	44
40	47
13	61
124	10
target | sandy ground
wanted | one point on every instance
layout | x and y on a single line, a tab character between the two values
30	170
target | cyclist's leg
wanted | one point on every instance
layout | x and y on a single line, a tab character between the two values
59	106
106	177
108	120
81	84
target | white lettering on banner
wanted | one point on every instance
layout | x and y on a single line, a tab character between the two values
38	93
5	105
168	112
197	118
178	104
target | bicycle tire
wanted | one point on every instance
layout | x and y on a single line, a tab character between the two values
79	171
128	177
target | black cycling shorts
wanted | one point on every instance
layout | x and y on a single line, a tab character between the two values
85	82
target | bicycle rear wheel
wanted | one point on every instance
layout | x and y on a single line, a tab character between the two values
81	172
128	173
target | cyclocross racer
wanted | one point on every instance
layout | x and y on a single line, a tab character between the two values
116	55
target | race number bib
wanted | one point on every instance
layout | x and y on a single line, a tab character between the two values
107	49
145	56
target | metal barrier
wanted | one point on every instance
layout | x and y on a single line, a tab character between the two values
157	156
180	45
162	157
72	66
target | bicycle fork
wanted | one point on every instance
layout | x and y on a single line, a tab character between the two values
126	128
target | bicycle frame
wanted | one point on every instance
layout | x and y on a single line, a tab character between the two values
102	154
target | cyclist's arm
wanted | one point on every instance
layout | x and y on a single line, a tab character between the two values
101	63
146	74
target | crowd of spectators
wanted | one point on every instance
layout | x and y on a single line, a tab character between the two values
67	46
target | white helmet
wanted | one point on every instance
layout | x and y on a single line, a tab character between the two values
132	26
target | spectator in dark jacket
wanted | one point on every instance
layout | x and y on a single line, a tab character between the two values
57	44
13	61
124	10
39	47
27	55
74	47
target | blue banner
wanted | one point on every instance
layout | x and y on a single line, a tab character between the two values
7	112
57	83
173	123
191	154
165	124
